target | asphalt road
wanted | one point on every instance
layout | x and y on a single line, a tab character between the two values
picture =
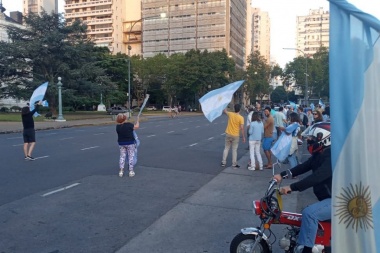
70	198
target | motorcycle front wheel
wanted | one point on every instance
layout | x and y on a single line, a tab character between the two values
243	244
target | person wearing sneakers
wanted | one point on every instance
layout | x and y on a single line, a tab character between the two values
235	125
127	142
29	134
256	132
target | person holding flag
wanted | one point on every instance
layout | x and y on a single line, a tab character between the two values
29	133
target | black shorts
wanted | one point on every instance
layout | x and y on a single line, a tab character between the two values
29	135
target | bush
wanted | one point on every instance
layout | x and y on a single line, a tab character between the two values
4	109
16	108
68	109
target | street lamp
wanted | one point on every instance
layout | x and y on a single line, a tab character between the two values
162	15
306	78
60	116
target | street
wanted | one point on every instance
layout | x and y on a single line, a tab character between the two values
70	199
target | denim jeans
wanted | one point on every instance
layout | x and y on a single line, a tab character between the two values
318	211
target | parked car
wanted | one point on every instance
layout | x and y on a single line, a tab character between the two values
151	108
166	108
116	110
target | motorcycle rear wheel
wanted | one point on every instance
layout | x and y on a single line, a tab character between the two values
243	244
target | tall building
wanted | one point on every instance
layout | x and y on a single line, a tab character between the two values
312	32
194	24
37	6
106	20
149	27
261	33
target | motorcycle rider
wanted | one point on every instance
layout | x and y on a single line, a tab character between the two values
320	179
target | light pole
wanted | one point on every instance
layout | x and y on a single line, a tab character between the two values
306	96
60	116
162	15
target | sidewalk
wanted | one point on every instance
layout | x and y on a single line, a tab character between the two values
209	219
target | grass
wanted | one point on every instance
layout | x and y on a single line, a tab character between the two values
78	115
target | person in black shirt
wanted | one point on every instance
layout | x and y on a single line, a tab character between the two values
127	142
29	132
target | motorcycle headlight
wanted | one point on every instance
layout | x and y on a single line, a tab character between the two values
274	204
257	207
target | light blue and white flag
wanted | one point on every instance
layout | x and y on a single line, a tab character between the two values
312	106
292	104
281	149
38	94
321	103
143	105
355	78
215	101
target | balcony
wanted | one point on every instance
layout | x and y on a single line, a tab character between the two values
100	21
102	39
88	13
87	4
100	30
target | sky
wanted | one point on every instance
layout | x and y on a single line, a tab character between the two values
282	13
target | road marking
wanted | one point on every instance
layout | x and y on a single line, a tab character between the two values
99	134
12	138
170	132
59	190
197	126
158	125
41	157
210	138
193	144
50	133
66	138
90	147
185	129
223	134
151	135
16	145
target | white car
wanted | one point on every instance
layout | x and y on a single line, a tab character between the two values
166	109
151	108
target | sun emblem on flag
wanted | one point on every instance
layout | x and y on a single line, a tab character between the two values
354	207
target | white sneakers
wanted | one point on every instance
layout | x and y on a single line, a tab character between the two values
253	168
131	173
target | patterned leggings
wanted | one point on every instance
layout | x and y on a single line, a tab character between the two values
123	153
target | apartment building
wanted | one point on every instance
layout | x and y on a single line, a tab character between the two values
261	33
194	24
37	6
312	32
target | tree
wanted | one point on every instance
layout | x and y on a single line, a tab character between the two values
46	49
258	75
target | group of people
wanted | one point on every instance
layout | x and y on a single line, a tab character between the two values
268	125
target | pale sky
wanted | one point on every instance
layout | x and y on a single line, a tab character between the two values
282	13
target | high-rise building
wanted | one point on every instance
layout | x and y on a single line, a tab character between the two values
106	21
312	32
195	24
261	33
37	6
149	27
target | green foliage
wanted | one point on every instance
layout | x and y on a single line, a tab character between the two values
46	49
279	95
258	75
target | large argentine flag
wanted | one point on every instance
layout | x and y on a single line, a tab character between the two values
355	120
214	102
38	94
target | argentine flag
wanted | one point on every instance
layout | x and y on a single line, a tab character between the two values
355	88
321	104
38	94
215	101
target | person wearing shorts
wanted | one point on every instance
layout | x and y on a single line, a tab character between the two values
268	136
29	133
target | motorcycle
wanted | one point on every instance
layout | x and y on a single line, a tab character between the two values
269	209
